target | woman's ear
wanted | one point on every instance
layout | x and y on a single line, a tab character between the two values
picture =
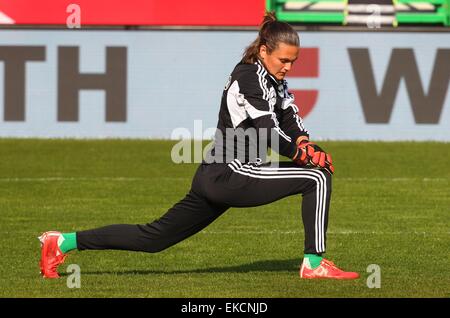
262	51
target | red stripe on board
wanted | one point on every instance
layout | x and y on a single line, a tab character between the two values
307	64
139	12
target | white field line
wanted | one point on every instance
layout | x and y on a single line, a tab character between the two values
26	179
405	179
45	179
345	232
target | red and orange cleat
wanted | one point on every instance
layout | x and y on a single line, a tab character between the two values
51	255
326	269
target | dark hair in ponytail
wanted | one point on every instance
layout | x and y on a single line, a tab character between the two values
271	32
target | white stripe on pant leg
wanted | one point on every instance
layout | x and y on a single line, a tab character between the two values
279	173
320	196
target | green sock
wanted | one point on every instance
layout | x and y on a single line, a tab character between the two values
314	260
69	242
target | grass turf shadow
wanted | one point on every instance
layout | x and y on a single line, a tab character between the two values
259	266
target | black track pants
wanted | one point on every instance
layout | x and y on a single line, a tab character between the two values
215	188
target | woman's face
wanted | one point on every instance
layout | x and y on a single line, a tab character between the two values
279	62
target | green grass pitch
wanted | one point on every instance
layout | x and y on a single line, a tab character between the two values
390	207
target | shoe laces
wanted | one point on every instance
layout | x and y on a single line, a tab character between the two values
329	263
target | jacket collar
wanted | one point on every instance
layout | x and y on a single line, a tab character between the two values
277	82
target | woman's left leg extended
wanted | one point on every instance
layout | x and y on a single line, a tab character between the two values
184	219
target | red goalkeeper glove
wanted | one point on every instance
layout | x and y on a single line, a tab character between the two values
310	154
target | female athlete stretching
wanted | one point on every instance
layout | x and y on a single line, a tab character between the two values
256	112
